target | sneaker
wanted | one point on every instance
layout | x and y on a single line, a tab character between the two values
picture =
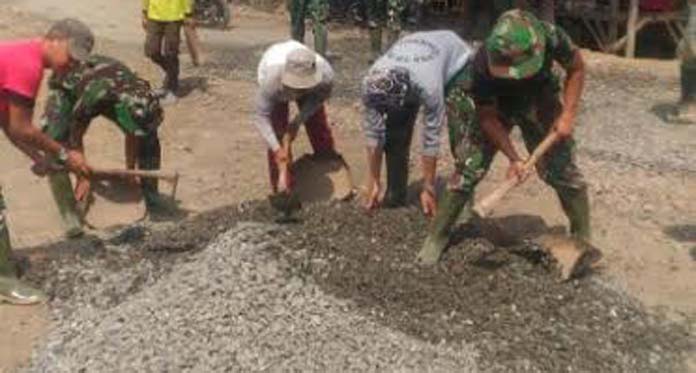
15	292
168	98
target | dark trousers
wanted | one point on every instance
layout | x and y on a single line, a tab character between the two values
162	47
318	131
397	150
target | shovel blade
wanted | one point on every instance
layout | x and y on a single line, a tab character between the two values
285	202
320	178
573	256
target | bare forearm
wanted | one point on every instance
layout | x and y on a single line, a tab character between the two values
429	172
574	86
29	138
498	135
30	152
374	161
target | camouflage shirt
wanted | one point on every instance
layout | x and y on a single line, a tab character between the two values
99	86
518	94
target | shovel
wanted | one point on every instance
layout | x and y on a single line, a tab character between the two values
573	255
171	177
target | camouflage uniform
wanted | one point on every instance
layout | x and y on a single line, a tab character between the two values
531	102
382	13
318	11
104	86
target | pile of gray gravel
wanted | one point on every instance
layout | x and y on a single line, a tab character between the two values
236	306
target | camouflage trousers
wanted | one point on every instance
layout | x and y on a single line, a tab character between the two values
318	13
473	152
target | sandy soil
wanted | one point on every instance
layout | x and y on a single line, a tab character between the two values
644	216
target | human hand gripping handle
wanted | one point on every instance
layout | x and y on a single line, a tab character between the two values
75	161
484	207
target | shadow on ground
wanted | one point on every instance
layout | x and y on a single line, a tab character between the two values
682	232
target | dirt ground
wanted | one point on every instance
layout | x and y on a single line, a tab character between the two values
644	208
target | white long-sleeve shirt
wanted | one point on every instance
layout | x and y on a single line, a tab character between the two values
271	92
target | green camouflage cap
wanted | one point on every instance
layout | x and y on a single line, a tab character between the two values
516	46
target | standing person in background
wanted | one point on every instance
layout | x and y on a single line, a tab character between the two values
384	13
686	108
162	21
21	71
318	12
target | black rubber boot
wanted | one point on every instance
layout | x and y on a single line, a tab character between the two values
686	109
576	206
61	188
449	209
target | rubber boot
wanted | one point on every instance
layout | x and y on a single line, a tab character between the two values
576	206
375	43
61	188
12	290
15	292
6	269
321	39
686	109
449	209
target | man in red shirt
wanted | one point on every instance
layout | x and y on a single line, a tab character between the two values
21	70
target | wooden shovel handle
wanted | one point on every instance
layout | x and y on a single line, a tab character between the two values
168	176
483	207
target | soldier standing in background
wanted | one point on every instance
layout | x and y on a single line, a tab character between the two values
318	12
384	13
686	108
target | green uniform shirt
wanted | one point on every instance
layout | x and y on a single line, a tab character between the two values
99	86
512	95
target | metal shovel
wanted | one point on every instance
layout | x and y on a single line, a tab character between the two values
572	255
